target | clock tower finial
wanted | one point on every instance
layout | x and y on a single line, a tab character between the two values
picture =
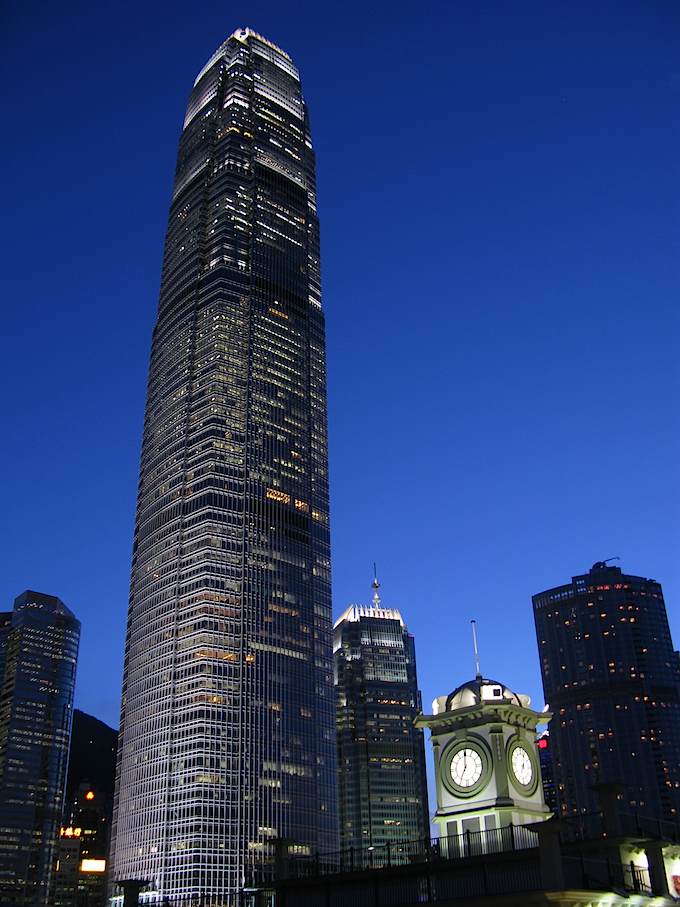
478	673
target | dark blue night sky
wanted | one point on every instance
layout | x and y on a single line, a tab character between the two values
500	229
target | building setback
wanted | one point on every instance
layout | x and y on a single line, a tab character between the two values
612	681
382	787
38	657
227	721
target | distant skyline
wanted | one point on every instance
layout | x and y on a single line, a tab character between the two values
500	224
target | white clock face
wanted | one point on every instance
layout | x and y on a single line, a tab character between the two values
522	766
466	768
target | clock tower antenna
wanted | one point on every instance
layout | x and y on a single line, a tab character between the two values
478	674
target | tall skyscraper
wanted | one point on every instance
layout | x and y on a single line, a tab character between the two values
38	656
227	738
612	681
382	786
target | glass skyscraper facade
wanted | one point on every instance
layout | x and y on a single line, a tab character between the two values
382	786
227	738
38	657
612	681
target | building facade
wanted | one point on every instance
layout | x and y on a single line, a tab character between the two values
80	877
227	722
547	772
81	874
612	680
38	657
382	786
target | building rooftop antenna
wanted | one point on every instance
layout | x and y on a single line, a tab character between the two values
375	585
600	565
473	624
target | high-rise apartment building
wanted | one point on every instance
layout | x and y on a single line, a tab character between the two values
382	786
38	656
227	738
612	681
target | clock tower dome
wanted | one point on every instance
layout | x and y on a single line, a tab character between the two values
487	769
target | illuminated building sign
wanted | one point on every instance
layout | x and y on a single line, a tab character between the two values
93	865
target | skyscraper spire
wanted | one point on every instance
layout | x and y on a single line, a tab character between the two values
375	585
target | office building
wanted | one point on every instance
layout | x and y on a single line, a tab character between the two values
38	656
382	788
81	873
612	680
547	772
227	723
80	876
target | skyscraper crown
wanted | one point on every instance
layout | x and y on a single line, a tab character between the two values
355	612
242	35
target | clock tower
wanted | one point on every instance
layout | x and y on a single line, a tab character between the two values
486	762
